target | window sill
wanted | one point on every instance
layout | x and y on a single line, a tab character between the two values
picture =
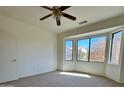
68	60
113	64
89	61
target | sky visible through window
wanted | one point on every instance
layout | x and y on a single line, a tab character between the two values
68	43
83	43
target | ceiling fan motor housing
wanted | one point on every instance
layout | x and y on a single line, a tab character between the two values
56	11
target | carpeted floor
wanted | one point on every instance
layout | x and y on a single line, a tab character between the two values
63	79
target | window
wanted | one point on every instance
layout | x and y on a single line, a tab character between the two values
91	49
68	50
83	49
115	50
97	49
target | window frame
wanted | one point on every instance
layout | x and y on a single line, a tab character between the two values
94	36
111	46
77	50
65	49
104	51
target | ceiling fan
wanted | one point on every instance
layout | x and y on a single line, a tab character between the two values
57	12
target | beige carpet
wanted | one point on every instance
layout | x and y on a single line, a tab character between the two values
62	79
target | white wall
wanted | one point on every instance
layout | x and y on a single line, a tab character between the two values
91	67
122	59
69	65
34	50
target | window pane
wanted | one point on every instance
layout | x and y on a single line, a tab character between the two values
83	49
116	43
97	49
68	49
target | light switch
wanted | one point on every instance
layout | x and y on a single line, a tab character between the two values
14	60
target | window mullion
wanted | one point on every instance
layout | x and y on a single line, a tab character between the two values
111	47
89	50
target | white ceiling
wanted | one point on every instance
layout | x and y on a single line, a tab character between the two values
31	15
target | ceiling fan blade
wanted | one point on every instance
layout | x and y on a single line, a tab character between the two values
62	8
58	21
46	7
69	16
46	16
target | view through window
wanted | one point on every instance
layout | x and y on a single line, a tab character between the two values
68	49
97	49
83	50
91	49
116	44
